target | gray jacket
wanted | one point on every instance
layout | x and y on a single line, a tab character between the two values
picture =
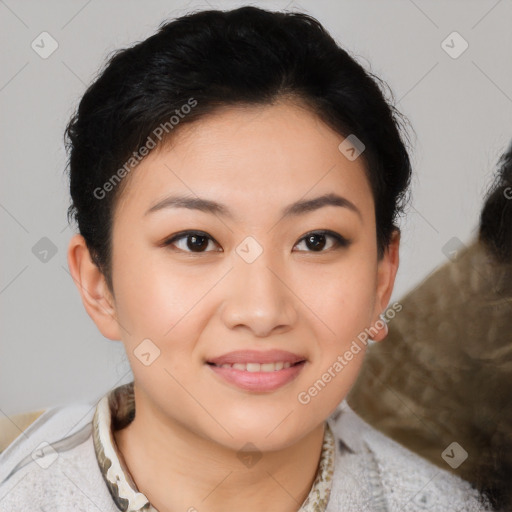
53	467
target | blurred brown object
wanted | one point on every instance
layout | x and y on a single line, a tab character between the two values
444	373
13	426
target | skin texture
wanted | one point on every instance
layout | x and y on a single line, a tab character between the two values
182	446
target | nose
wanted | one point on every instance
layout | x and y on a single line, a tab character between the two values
259	298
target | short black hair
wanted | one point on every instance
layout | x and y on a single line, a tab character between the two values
206	60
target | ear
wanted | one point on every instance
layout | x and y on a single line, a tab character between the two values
386	273
91	284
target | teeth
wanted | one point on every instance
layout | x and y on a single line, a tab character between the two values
257	367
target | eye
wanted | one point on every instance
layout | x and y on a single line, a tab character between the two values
198	241
194	241
317	240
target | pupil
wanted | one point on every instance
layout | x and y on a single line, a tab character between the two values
194	245
311	243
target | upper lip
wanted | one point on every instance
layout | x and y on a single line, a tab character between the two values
257	356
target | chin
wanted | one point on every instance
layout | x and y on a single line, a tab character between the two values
268	433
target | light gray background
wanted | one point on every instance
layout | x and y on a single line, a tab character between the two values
461	109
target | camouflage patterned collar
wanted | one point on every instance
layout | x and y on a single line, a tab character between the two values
117	409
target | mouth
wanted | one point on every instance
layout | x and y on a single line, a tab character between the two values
258	367
256	377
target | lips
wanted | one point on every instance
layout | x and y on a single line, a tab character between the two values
257	371
246	357
257	381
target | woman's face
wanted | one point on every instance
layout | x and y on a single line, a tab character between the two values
254	278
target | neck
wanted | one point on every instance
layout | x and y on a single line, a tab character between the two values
179	470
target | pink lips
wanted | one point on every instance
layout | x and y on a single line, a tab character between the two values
255	356
258	381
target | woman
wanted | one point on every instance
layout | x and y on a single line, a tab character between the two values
236	179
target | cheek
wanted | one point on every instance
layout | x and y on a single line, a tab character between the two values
342	296
344	308
154	299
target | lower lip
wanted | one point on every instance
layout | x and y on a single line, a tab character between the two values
258	381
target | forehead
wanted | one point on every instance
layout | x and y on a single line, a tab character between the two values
252	158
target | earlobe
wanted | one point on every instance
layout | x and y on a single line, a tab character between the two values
382	329
91	284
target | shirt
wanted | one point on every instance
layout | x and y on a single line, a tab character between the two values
117	409
54	467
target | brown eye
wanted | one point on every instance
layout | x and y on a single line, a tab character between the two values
317	241
198	241
190	241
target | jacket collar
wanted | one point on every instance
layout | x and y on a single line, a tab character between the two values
116	409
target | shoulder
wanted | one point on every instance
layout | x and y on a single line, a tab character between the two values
51	464
390	474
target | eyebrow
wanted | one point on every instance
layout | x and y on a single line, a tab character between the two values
298	208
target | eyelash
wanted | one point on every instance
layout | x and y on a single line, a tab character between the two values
340	242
